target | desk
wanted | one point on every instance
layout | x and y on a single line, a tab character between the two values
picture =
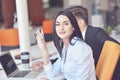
36	56
35	52
42	74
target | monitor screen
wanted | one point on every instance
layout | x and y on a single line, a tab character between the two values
8	63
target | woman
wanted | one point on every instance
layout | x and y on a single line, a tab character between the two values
75	58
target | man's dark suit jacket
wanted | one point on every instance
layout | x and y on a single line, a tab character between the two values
95	37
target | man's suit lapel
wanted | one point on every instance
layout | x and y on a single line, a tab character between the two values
87	34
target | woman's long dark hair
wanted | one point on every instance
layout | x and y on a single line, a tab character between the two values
57	41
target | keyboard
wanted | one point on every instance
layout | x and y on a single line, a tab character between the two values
22	74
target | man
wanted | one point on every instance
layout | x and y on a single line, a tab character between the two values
93	36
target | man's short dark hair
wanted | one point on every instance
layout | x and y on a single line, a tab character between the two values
79	12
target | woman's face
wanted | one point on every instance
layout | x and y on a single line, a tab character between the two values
64	28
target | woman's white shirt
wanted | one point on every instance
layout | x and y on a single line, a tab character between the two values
77	64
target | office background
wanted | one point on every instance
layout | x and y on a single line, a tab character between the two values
104	14
40	10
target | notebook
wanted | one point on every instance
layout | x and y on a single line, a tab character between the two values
10	68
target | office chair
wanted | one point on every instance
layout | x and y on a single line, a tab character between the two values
108	59
47	29
9	39
47	26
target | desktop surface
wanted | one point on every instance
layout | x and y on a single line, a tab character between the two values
35	52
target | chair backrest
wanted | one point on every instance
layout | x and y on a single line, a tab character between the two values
107	61
47	26
9	37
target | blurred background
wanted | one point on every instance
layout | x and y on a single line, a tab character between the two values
102	13
39	10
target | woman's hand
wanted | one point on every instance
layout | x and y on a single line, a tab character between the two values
37	65
40	39
42	45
